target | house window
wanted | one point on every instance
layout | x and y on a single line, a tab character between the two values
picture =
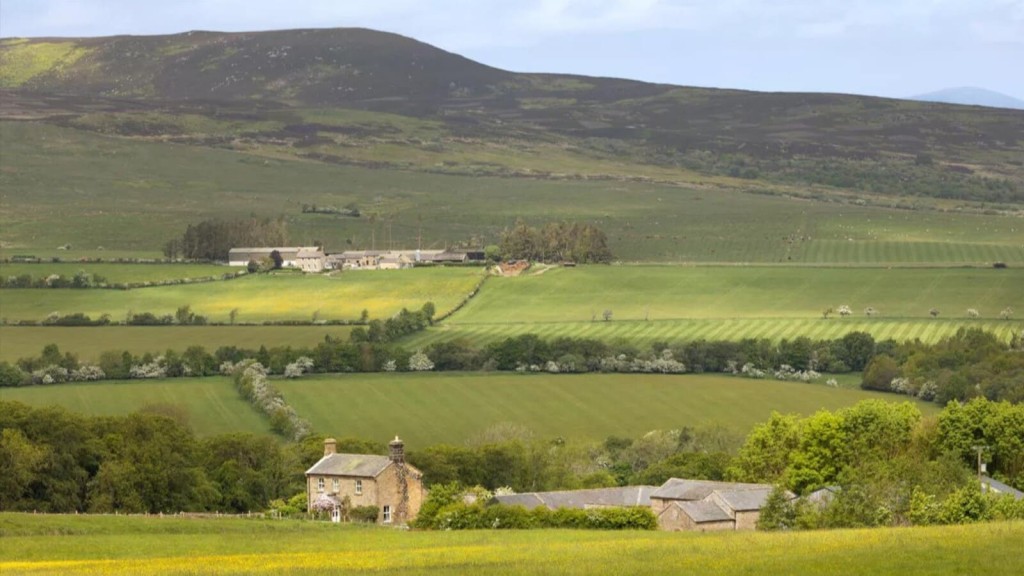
319	484
334	484
359	487
387	514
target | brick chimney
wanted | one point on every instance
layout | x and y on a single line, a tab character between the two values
397	450
330	446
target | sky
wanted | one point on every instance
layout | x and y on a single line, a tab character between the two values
895	48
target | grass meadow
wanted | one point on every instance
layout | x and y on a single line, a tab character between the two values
259	298
211	405
433	408
89	342
453	408
671	303
86	545
131	196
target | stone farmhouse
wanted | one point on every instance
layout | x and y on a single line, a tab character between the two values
704	505
305	258
340	481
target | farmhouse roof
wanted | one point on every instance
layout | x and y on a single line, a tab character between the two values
683	489
313	252
361	465
595	497
702	511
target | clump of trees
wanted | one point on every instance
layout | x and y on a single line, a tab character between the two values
971	363
556	242
212	239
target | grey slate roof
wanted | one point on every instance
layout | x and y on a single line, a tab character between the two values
745	499
362	465
619	496
1000	488
704	511
682	489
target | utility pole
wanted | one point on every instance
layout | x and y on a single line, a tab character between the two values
981	465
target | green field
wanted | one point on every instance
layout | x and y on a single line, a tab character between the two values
115	273
211	404
131	196
434	408
666	303
643	333
72	545
89	342
284	296
428	409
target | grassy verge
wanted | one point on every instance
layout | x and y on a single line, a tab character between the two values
166	546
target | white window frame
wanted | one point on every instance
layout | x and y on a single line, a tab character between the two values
319	484
335	484
387	514
359	487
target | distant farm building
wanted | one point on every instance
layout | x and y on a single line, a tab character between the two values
305	258
398	259
337	483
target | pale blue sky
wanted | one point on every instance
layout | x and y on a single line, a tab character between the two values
882	47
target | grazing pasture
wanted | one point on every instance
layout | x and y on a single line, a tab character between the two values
130	196
89	342
266	297
432	408
670	304
210	405
73	545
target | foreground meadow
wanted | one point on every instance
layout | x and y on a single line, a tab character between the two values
73	545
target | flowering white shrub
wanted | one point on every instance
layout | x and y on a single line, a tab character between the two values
301	365
419	362
390	366
87	373
844	310
155	369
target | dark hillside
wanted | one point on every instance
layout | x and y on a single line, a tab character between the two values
266	83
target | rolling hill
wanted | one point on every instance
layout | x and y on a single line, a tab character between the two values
114	145
426	109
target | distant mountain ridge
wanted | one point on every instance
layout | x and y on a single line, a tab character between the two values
972	96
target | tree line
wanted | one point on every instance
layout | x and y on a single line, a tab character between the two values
882	463
556	242
968	364
212	239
